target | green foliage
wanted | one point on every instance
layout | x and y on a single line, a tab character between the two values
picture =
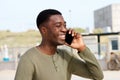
79	30
98	30
13	39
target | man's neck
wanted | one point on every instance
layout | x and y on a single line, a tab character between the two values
47	49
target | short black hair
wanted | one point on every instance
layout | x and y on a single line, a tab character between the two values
44	16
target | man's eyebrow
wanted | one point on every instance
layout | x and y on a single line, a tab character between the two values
59	22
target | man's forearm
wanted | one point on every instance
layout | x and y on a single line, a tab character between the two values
92	63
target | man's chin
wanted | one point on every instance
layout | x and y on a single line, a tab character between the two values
62	43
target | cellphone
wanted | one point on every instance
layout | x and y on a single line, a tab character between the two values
68	38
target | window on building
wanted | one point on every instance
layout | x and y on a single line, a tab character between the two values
114	44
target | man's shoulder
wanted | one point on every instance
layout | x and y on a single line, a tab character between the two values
29	52
59	50
64	52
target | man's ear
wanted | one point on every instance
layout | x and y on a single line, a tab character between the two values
43	30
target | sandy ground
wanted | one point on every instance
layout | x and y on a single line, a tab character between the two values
108	75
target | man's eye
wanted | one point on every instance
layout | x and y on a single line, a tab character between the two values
58	25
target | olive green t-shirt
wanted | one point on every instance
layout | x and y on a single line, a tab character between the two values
35	65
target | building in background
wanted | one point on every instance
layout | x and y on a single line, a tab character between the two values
108	18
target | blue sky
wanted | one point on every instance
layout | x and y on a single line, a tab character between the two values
20	15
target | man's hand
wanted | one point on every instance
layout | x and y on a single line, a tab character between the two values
77	42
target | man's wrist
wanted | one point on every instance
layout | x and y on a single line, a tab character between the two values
82	48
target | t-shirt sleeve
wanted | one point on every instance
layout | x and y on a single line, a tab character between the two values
25	69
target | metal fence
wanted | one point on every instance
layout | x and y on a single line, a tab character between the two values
14	54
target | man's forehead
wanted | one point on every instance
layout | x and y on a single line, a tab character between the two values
57	19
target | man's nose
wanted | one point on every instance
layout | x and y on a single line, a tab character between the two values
64	29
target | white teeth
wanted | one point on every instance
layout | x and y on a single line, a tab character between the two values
62	36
